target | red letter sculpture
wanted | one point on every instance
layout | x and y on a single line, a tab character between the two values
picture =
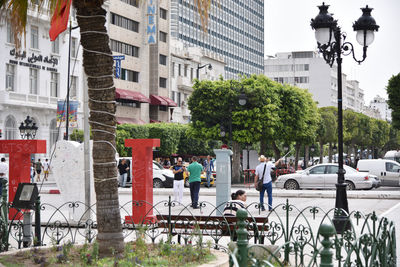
20	163
142	179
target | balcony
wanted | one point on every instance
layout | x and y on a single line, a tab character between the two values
184	83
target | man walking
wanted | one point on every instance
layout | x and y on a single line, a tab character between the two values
3	173
178	171
194	170
46	169
38	167
263	171
123	172
209	168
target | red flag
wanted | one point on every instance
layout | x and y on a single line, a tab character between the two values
59	21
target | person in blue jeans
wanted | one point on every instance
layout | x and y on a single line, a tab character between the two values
209	168
265	167
194	170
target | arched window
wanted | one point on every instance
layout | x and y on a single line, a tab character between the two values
11	128
53	132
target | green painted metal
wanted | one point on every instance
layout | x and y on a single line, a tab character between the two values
4	218
243	241
327	231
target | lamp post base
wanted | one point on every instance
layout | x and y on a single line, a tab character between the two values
341	219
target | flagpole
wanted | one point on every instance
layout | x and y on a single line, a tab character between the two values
66	137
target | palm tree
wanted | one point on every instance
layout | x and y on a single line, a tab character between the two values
98	66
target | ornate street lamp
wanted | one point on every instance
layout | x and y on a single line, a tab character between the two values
29	129
203	66
331	43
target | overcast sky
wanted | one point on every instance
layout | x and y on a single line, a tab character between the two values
287	28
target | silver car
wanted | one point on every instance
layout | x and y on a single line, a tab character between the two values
324	176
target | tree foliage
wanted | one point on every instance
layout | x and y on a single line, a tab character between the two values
393	91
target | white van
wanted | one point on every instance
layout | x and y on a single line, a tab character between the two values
161	177
388	171
393	155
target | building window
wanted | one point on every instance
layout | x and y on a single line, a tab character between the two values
163	36
55	46
134	3
179	70
54	84
129	75
11	129
163	82
53	132
163	13
10	34
73	86
163	60
124	22
74	46
34	37
185	71
124	48
33	81
10	77
191	74
173	69
178	99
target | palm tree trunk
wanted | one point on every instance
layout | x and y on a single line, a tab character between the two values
277	152
321	152
98	65
296	160
330	153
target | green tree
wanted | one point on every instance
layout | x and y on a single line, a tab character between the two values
380	130
98	66
393	91
327	130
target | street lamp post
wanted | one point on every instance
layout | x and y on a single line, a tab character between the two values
329	38
200	67
28	129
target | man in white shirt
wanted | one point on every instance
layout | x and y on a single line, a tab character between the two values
3	173
265	167
46	169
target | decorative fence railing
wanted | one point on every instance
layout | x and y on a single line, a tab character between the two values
286	236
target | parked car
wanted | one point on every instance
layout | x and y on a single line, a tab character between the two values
161	177
324	176
388	171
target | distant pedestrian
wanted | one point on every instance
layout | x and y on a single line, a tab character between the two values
46	169
38	167
238	202
123	172
3	173
263	171
33	172
194	170
178	171
208	168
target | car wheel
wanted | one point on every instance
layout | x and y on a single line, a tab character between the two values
291	185
350	185
157	183
187	183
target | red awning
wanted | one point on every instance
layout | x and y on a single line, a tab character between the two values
157	100
131	95
123	120
170	102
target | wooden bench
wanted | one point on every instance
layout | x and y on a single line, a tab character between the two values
184	226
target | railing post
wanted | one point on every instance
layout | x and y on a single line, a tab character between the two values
4	214
38	241
242	242
326	231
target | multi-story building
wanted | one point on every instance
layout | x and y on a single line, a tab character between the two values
308	70
34	78
235	30
379	103
187	64
139	31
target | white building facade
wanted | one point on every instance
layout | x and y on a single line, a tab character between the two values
379	103
308	70
187	64
235	30
35	78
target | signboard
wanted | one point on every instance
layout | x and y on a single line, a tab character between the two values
151	22
118	65
73	114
